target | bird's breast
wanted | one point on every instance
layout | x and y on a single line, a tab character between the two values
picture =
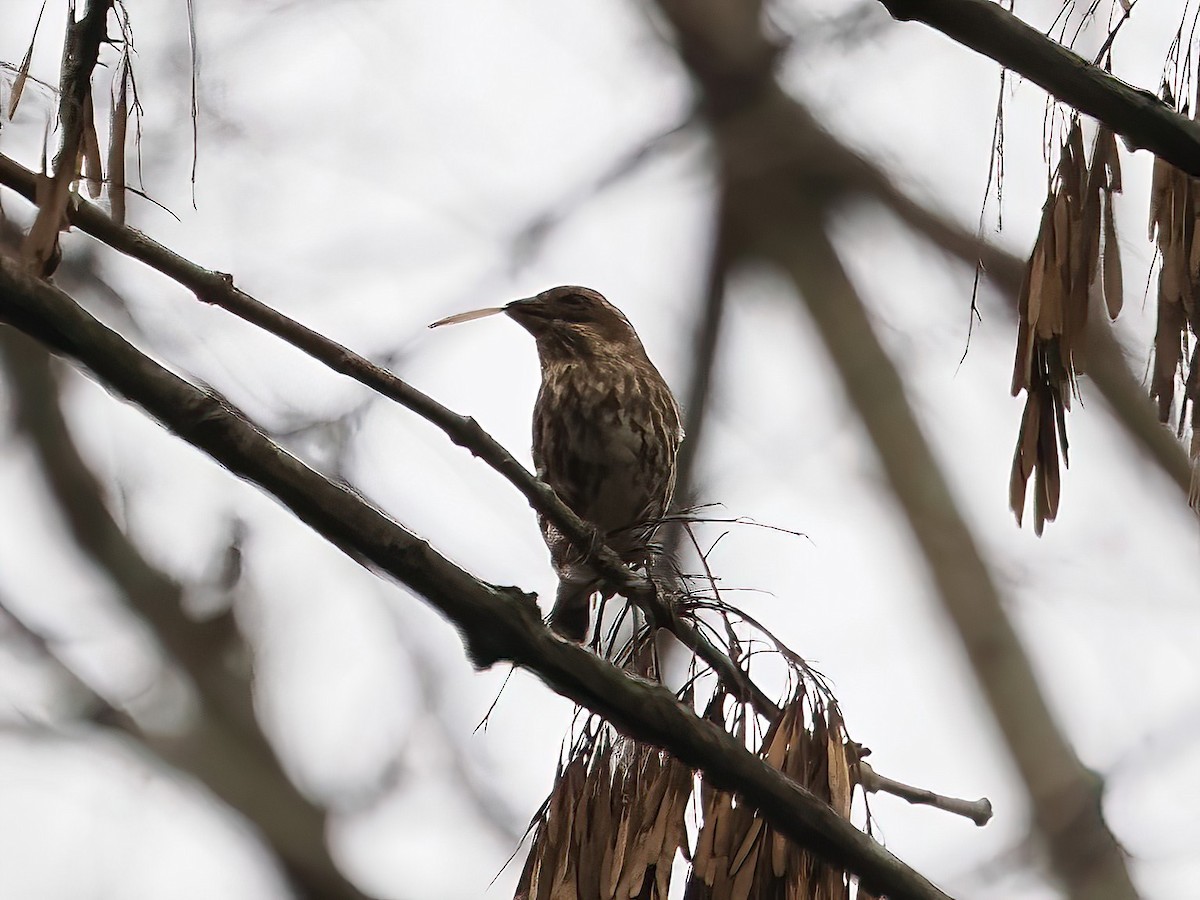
604	438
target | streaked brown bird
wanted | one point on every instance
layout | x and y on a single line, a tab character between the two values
606	429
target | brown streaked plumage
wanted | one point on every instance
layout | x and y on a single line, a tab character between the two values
606	430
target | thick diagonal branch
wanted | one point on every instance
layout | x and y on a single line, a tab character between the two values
496	623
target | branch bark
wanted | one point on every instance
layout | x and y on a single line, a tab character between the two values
495	623
1144	120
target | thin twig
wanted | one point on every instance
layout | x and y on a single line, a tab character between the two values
978	811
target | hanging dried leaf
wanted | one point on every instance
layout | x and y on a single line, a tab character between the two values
1168	349
18	88
1113	280
89	150
1160	189
1194	452
117	135
1075	248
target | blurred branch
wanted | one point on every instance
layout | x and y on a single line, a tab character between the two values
223	746
777	180
707	333
218	289
464	762
495	623
207	752
529	237
1141	118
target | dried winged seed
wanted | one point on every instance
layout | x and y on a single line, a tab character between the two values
1194	453
657	850
676	836
776	744
779	849
1053	297
1167	352
592	835
18	87
743	879
1160	197
527	883
1076	163
614	858
1038	266
662	881
1061	248
706	836
776	748
1047	477
1024	357
818	771
840	787
117	133
1112	157
1171	282
1114	286
723	831
1177	251
749	843
639	855
89	150
1091	231
559	823
1025	456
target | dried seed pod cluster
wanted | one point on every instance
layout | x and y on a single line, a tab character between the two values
739	856
1174	220
1075	262
612	825
615	819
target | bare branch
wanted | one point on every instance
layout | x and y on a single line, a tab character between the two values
1142	119
978	811
495	623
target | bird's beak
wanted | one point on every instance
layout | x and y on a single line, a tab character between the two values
468	316
525	308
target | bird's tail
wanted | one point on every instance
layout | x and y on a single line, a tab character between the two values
572	610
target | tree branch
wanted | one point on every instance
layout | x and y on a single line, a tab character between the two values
495	623
1144	120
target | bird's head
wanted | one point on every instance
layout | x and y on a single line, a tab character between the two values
567	321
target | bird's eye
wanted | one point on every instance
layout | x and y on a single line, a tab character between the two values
574	300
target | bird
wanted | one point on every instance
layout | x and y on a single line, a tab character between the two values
606	435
